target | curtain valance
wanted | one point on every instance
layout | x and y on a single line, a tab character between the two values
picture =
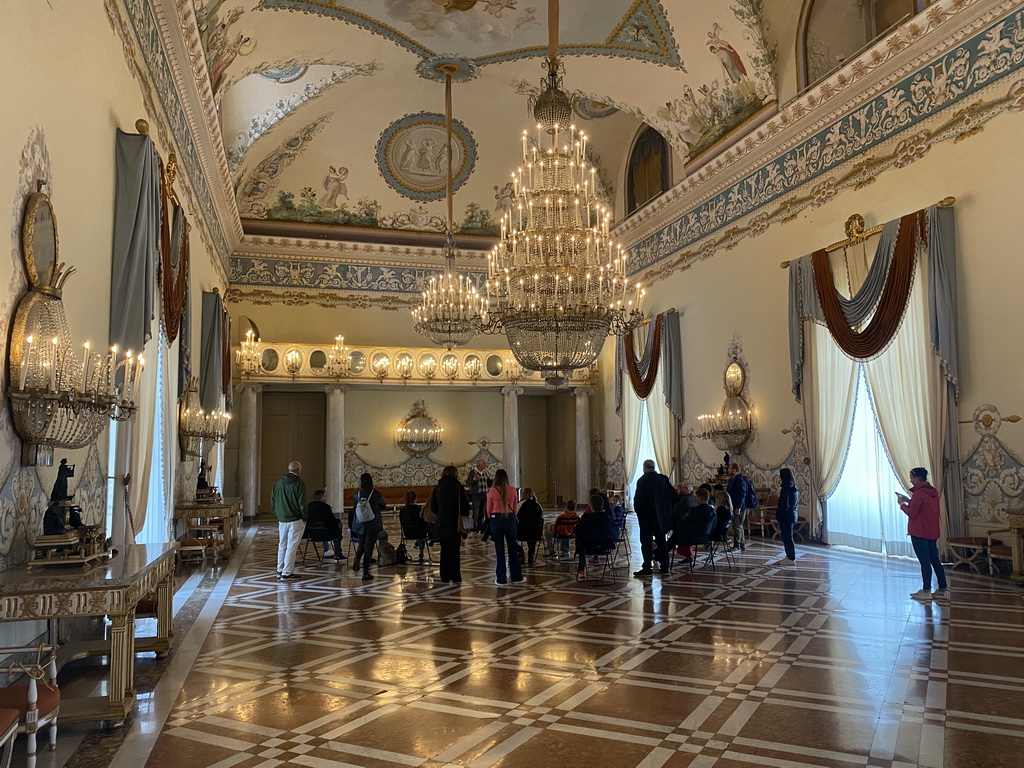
666	337
644	372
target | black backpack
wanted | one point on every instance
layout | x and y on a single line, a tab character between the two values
749	495
402	554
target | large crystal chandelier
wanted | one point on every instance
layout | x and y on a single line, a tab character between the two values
557	283
450	309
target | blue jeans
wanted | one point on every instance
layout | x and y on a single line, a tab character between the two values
928	554
504	530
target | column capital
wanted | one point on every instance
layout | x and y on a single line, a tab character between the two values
583	391
255	386
512	391
328	388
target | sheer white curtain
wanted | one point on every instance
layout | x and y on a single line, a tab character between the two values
909	393
154	529
830	385
862	510
645	449
140	440
662	424
632	420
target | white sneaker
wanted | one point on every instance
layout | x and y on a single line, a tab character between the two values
940	594
922	594
328	553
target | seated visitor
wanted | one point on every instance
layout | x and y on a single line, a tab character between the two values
697	525
565	525
723	516
681	510
413	525
593	532
531	523
319	511
605	504
618	517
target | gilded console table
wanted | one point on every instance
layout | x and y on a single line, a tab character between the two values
228	510
113	589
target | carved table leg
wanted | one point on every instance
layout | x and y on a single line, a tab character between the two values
164	606
122	658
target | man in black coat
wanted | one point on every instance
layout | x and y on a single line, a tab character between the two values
685	502
319	511
653	500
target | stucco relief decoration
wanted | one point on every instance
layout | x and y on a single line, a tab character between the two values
977	63
416	470
284	74
610	470
412	156
991	472
259	183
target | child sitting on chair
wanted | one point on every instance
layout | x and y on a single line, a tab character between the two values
565	525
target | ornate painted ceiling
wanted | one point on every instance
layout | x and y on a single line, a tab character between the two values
331	110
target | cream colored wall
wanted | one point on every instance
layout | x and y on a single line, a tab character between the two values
372	414
744	291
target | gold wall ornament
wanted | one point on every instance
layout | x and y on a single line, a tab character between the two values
59	398
731	427
419	433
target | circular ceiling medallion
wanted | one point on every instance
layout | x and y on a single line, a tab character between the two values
591	109
411	156
285	74
436	68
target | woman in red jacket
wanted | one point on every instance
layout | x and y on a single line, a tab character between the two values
922	511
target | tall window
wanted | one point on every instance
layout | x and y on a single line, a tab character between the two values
647	174
645	452
862	510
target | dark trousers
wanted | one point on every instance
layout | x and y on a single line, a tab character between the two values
531	551
786	534
927	552
504	531
367	542
648	533
479	502
451	559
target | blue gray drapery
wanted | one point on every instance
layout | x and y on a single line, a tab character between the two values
671	360
211	353
137	218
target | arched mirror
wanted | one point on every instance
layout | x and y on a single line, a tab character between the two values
357	362
269	360
318	360
39	238
495	365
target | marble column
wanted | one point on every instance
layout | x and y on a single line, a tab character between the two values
584	445
510	413
249	447
334	463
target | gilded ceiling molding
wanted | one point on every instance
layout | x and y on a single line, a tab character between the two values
367	253
858	172
172	80
724	183
326	299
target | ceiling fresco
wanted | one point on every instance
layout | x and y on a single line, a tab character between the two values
312	96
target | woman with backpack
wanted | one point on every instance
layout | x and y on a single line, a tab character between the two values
366	521
502	500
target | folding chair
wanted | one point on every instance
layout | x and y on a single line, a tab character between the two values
720	539
605	556
622	549
315	534
416	530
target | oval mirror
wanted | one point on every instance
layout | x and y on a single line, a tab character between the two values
318	360
269	360
357	362
380	363
404	365
735	378
39	238
495	365
472	366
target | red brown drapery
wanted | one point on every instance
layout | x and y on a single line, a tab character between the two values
643	385
172	283
225	371
892	303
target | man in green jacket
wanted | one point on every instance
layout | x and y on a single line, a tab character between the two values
288	501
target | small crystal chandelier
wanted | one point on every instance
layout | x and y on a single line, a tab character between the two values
450	310
198	430
249	356
557	284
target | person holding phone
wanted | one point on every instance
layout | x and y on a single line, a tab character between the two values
922	511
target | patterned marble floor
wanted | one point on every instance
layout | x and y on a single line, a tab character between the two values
823	663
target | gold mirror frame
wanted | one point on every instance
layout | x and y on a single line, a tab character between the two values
37	202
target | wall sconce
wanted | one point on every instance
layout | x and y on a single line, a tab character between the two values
404	366
55	402
198	430
730	428
249	357
419	433
473	367
339	364
450	367
513	370
293	361
428	366
380	364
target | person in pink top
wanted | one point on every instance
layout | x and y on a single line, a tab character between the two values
502	500
922	511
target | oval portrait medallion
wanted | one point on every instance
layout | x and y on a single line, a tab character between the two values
412	157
